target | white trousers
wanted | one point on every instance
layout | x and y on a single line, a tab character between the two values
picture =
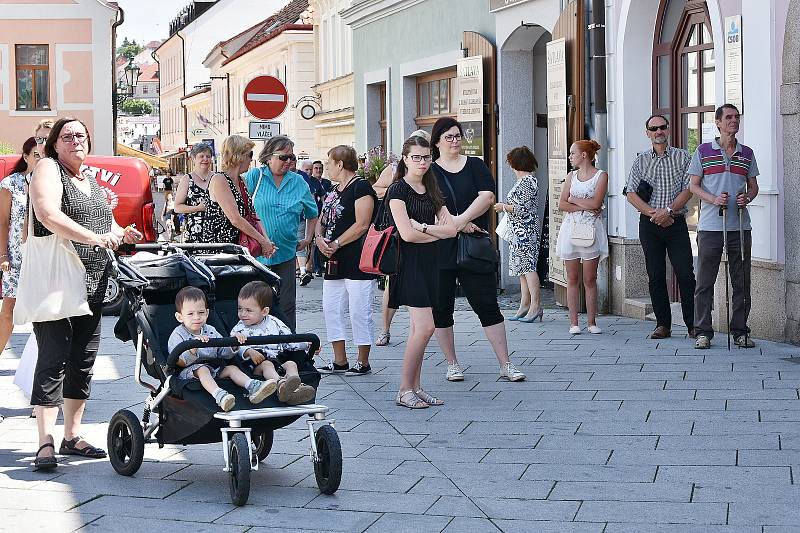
355	295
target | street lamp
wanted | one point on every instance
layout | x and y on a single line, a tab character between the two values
126	88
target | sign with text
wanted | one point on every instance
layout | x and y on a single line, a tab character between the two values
470	104
496	5
261	130
557	149
733	61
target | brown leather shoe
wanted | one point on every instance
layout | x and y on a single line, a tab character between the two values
661	332
693	333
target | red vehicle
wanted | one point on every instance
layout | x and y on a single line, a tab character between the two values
126	184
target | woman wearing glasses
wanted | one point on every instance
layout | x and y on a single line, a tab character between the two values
280	197
68	202
42	131
191	198
228	198
13	200
418	212
469	193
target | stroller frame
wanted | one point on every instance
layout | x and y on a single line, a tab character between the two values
239	452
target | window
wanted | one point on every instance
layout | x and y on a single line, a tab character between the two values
436	97
33	77
145	90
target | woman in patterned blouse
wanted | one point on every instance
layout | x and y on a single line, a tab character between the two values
191	198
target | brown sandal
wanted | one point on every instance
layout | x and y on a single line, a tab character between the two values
69	447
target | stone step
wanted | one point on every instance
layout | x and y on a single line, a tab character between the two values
638	308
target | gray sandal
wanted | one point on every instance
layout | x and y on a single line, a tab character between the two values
427	398
410	399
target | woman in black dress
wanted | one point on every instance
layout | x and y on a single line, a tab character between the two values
191	198
417	211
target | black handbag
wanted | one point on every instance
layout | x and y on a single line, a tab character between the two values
475	251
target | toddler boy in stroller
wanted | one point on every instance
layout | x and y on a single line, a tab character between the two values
206	364
255	300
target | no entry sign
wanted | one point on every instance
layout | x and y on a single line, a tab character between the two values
265	97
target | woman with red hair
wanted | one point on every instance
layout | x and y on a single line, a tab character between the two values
582	240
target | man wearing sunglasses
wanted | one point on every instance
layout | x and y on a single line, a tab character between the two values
658	187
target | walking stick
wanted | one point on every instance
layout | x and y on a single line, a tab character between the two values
723	212
745	283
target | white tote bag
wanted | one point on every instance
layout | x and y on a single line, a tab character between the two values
52	280
23	377
504	230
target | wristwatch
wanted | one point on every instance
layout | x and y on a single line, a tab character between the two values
424	228
670	212
336	242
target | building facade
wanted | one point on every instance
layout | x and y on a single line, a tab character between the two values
333	93
56	59
193	33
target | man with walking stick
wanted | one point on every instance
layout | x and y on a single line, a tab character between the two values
658	187
718	167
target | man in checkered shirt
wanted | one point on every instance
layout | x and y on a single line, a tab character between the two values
661	173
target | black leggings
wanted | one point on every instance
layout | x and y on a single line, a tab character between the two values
481	293
67	350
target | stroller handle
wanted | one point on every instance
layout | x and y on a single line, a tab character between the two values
187	247
172	359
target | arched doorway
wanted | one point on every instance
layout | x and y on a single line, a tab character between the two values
790	109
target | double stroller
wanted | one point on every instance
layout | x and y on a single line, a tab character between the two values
183	413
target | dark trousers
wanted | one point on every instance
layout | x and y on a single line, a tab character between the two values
288	290
657	243
481	293
709	244
67	350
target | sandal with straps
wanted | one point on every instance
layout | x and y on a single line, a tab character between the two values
427	398
48	462
69	447
383	339
410	399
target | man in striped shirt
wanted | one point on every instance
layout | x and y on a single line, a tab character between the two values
723	173
280	197
658	188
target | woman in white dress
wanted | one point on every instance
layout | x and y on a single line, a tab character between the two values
582	240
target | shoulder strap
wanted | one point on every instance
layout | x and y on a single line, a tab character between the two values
258	184
449	187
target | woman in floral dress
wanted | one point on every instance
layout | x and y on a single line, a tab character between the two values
522	210
192	197
13	201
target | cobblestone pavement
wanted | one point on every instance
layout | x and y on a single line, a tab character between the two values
610	433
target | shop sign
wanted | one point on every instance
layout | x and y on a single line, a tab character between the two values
261	130
733	61
470	104
496	5
557	149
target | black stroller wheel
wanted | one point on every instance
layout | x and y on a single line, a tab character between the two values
125	443
263	443
239	474
328	466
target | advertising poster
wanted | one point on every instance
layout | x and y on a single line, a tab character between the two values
557	149
470	104
733	61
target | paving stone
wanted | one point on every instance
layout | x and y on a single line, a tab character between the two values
133	524
750	494
728	442
19	499
111	484
537	456
407	523
674	457
631	473
303	519
118	506
631	492
597	442
459	506
549	526
527	510
461	524
770	475
656	512
260	494
774	514
50	521
352	500
638	527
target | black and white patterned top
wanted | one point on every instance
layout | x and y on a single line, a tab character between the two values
666	173
93	213
216	226
196	195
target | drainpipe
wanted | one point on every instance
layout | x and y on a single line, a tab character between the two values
114	110
183	74
598	111
160	124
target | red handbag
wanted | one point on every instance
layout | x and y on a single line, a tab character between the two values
380	251
250	216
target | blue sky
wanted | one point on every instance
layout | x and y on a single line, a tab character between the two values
147	20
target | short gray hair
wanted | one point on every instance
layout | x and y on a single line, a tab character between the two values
274	144
198	148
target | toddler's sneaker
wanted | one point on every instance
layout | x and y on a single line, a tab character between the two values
258	390
286	386
454	372
303	394
224	399
509	372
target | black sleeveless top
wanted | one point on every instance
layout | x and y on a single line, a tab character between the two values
93	213
216	226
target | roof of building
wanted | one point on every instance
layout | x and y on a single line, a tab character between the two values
288	18
149	72
201	90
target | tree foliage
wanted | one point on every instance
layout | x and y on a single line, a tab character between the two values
129	49
137	107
